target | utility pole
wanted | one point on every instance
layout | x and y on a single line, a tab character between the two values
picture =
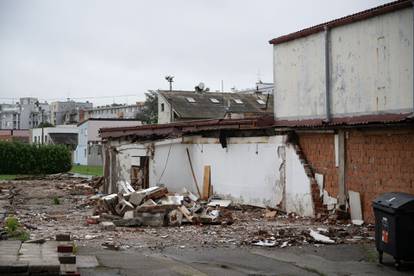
170	79
41	111
43	125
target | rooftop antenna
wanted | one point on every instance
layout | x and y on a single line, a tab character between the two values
170	79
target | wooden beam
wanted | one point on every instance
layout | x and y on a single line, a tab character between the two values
207	182
192	172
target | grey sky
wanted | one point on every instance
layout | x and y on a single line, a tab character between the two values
80	48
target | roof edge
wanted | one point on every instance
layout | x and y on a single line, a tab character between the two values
359	16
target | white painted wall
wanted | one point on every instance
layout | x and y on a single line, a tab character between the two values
248	171
164	117
298	186
371	64
299	77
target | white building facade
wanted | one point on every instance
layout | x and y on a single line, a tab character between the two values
363	66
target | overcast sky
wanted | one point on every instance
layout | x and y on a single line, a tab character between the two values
54	49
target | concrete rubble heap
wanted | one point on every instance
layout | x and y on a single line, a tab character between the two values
155	206
133	219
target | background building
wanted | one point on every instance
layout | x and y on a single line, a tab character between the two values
25	114
89	146
68	112
121	111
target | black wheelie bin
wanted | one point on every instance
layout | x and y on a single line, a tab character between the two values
394	226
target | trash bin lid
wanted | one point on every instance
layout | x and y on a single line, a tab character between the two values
400	201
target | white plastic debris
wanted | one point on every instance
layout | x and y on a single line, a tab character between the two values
219	202
265	243
284	244
319	237
357	222
322	230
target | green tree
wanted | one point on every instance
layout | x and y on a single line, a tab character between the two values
45	124
149	114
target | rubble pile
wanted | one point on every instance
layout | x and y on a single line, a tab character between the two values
155	206
291	236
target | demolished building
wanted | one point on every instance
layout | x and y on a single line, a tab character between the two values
249	162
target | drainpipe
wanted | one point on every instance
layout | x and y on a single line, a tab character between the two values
327	77
412	3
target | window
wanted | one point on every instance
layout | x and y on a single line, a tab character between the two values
238	101
162	107
260	101
84	151
35	139
214	100
190	100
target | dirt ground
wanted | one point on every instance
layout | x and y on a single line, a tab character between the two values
63	204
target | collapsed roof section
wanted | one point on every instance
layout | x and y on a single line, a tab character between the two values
252	126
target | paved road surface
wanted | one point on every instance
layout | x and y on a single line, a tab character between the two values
327	260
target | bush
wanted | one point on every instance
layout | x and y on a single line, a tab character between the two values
19	158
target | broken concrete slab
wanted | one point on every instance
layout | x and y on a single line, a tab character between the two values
149	202
219	202
107	225
129	214
136	198
355	207
123	206
172	200
152	219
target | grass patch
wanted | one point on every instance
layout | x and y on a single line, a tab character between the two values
7	176
89	170
15	230
371	254
56	200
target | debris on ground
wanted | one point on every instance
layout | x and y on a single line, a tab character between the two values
156	218
155	206
319	237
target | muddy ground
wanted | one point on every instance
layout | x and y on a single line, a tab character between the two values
63	204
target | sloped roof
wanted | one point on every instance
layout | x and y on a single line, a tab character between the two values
204	108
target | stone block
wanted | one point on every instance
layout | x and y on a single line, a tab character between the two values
107	225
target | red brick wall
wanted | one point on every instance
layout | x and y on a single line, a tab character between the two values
377	161
319	150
